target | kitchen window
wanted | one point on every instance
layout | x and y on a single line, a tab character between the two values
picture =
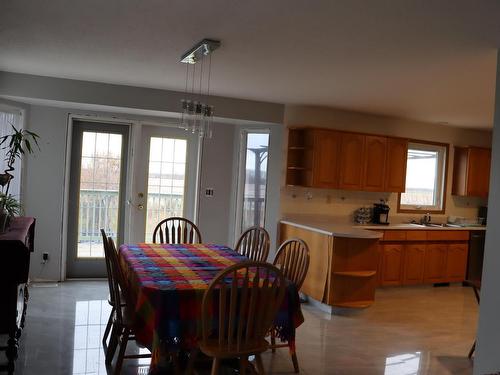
425	178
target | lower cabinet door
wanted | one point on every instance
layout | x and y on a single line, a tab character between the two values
392	256
435	263
456	263
414	264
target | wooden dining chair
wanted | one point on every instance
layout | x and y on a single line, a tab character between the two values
122	326
292	259
176	230
238	310
111	297
254	244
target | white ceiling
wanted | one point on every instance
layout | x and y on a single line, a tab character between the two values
431	61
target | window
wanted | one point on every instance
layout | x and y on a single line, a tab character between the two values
425	178
253	180
8	119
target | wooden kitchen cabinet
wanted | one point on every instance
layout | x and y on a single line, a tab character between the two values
392	256
352	157
330	159
435	263
471	171
395	171
414	264
326	151
456	264
410	257
374	163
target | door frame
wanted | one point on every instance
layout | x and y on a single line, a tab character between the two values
93	265
67	174
135	134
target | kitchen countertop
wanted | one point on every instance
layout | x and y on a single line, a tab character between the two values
331	228
408	226
337	227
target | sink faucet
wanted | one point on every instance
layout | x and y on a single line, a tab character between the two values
426	219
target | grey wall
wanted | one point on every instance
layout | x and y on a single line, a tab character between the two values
487	360
217	173
44	182
44	187
95	93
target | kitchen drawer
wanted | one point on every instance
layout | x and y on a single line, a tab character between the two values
416	235
447	235
395	235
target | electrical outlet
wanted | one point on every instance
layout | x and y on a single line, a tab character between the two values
45	257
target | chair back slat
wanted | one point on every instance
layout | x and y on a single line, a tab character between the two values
292	258
254	244
176	230
108	266
254	291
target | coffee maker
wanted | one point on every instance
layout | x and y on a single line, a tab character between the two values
381	213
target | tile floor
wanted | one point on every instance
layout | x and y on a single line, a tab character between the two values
411	330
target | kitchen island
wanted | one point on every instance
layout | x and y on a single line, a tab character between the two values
343	260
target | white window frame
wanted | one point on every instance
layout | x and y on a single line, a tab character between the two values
440	185
241	176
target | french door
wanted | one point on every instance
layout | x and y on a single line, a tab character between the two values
99	153
125	191
165	182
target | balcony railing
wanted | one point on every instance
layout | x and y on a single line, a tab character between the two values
99	209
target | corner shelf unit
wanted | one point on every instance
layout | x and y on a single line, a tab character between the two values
299	157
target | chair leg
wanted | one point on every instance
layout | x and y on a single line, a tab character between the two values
113	343
121	353
260	365
273	341
108	329
293	354
176	363
472	349
243	365
192	360
215	366
295	363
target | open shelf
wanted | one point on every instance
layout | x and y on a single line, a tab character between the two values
355	273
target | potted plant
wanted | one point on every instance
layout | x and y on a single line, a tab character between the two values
17	144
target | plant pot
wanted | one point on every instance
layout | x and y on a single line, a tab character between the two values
4	220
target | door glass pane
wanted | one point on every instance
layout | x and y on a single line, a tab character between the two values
254	198
99	191
166	181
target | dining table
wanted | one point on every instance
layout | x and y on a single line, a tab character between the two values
166	283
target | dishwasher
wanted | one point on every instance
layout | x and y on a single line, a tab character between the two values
476	254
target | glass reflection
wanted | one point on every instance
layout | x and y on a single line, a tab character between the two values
403	364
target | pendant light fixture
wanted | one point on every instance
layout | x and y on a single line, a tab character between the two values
197	113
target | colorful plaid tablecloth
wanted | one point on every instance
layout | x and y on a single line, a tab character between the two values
167	283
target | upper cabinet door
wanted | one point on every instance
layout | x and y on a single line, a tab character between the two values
374	165
471	171
478	173
352	157
325	156
395	173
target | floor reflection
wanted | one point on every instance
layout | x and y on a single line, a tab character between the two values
403	364
91	318
90	322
